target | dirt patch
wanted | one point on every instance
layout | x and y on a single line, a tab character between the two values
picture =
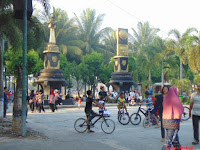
6	133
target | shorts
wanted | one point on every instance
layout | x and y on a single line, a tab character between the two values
91	114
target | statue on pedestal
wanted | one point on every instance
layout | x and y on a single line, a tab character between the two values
52	27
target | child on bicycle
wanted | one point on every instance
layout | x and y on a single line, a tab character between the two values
121	103
90	114
149	102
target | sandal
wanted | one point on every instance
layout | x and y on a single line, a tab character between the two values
90	131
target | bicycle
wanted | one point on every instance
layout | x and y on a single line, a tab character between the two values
135	118
185	115
107	126
149	120
123	117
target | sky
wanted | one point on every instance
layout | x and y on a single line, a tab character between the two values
162	14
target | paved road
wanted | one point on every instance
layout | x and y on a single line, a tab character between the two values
59	128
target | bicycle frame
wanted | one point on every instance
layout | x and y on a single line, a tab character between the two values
100	116
142	110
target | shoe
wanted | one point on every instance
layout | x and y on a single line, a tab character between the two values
195	143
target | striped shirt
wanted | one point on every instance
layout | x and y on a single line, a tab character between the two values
195	98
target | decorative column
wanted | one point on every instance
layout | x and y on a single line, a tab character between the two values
51	77
121	79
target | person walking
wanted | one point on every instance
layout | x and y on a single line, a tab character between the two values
195	113
56	99
32	101
52	101
40	101
172	115
159	107
5	102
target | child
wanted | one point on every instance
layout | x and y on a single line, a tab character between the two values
121	103
88	109
79	103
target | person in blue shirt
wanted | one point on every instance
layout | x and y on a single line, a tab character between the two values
5	102
148	101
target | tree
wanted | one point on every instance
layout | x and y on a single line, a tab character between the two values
93	62
142	39
76	73
180	46
12	30
193	51
90	33
66	35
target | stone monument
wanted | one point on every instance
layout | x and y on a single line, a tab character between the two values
51	77
121	79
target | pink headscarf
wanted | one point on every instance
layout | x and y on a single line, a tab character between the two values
172	106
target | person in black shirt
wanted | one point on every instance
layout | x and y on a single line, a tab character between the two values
103	94
88	109
159	106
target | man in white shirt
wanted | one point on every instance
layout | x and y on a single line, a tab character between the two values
115	95
132	94
195	113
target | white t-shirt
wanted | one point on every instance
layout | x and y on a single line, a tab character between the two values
132	94
195	98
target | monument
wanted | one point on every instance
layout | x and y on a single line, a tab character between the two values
121	79
51	77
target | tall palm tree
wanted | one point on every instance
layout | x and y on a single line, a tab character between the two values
193	50
90	32
142	39
180	49
110	41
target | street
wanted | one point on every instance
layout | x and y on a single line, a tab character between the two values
59	129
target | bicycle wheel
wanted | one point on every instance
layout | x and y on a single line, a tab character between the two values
80	125
146	122
123	118
185	115
135	119
108	126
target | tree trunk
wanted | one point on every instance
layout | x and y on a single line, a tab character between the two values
149	74
17	106
181	70
85	88
162	77
93	90
181	75
1	83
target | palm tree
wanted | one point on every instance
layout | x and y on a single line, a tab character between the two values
142	39
110	41
90	32
180	50
193	50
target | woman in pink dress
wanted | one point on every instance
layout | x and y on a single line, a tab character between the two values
172	114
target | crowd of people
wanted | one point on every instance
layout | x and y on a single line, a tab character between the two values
112	97
36	100
166	105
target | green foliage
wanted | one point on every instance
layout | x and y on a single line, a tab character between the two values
183	84
94	63
65	66
13	59
197	79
